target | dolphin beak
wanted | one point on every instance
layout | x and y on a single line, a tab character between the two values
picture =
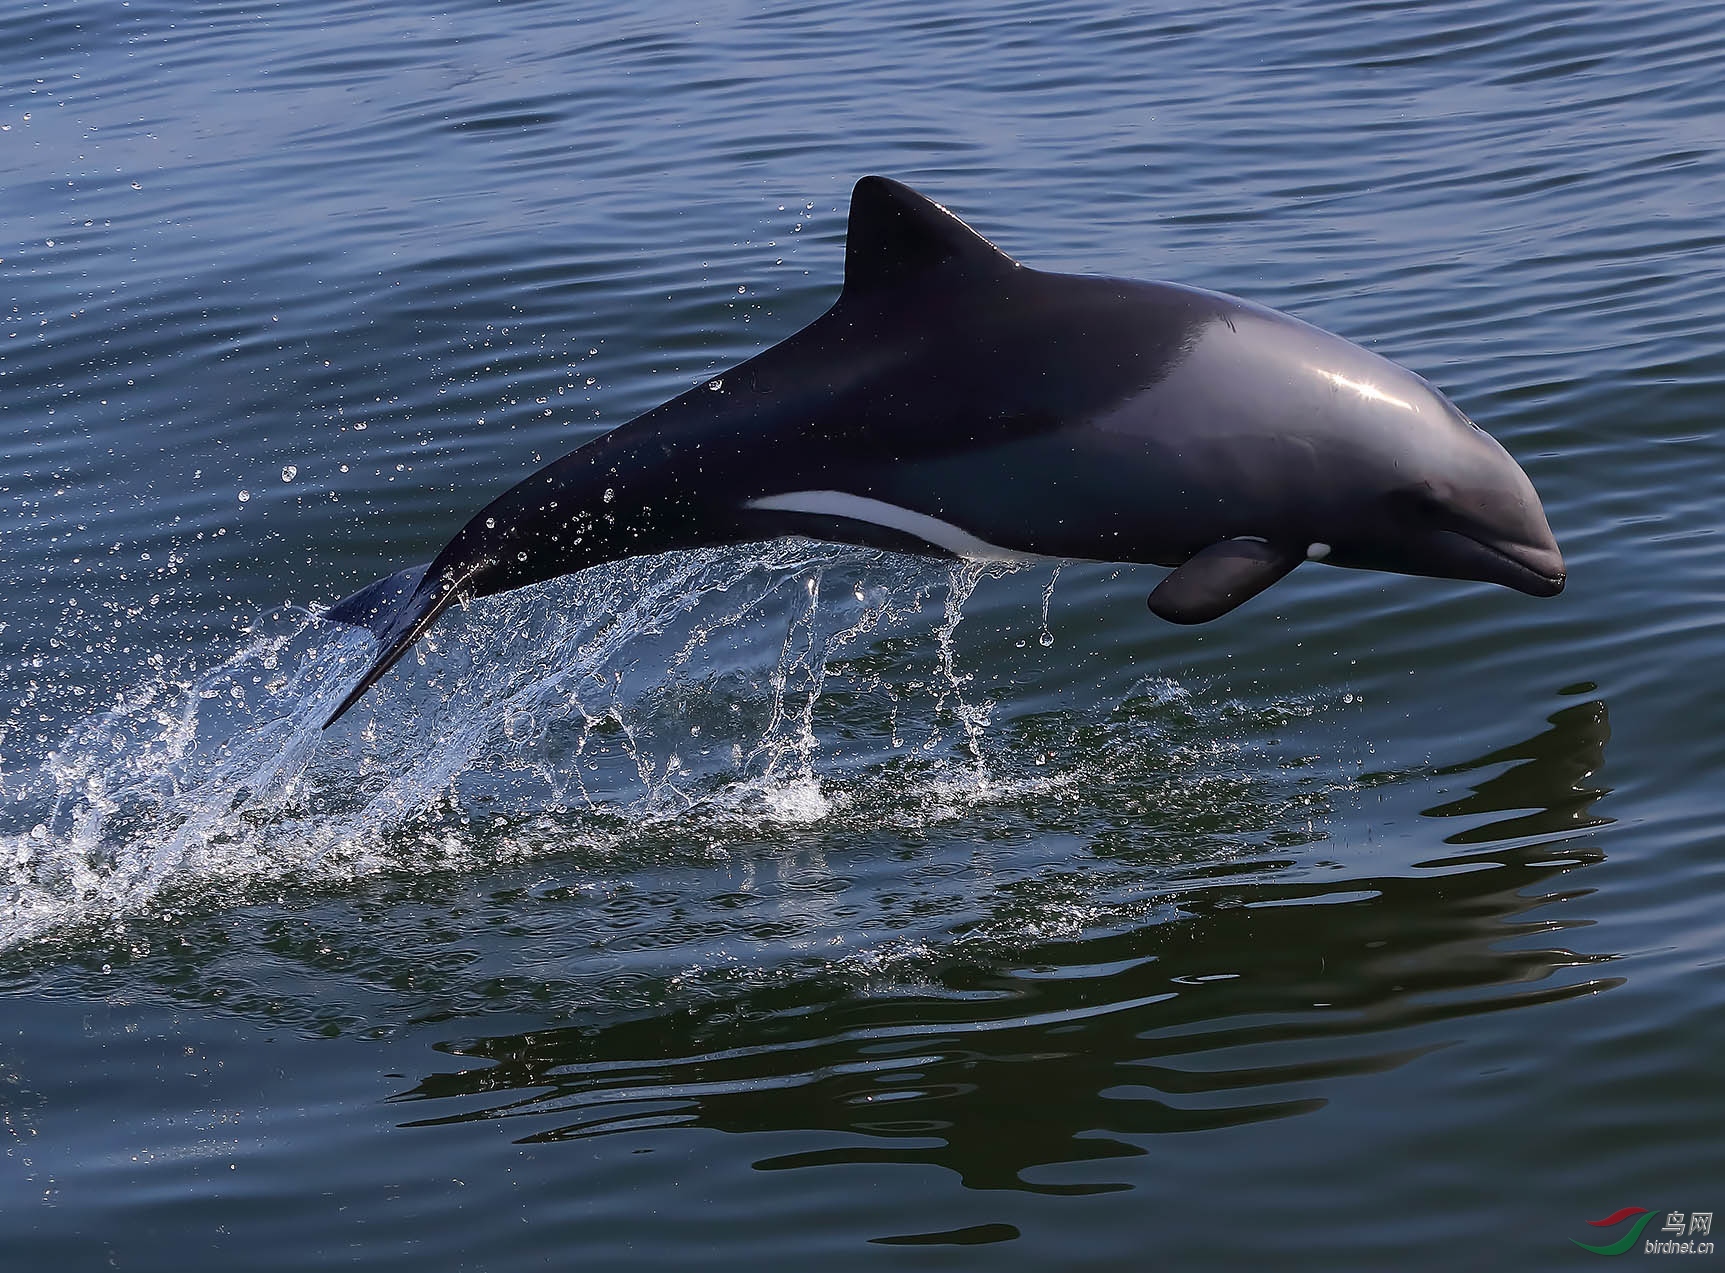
1551	575
1536	569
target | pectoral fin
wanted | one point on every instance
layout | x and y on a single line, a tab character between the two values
1216	579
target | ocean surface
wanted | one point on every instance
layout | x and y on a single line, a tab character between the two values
795	906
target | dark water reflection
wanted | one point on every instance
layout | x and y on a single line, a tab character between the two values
1250	1004
1547	775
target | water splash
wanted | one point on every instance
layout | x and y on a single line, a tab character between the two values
1046	638
570	713
163	783
972	716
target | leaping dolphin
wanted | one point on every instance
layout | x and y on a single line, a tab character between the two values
955	402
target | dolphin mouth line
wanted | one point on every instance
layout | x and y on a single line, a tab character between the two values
1530	579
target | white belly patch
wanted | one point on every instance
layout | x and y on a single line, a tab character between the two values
860	508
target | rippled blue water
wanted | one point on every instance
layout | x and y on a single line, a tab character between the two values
794	905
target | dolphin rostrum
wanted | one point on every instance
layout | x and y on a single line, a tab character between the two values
954	402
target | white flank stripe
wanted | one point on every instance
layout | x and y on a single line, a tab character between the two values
859	508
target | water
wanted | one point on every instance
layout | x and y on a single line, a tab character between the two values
794	904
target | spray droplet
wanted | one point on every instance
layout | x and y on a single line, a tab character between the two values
244	496
610	495
490	523
1047	638
289	472
520	556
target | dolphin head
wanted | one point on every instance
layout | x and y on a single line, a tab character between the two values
1284	433
1439	496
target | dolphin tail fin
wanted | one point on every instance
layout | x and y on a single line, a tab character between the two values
374	606
396	610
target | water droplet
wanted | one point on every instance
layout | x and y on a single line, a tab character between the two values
38	832
490	523
289	472
1047	637
244	496
610	495
716	384
520	556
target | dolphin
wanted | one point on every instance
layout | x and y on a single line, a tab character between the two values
953	402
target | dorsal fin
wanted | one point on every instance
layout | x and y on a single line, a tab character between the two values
896	234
